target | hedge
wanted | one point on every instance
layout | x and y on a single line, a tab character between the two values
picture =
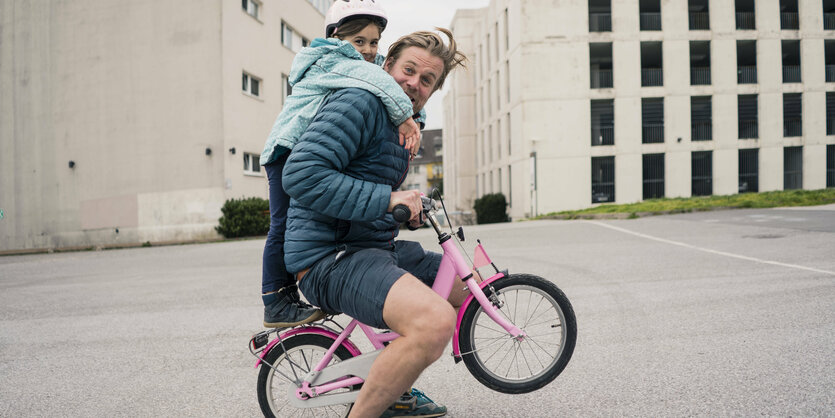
244	218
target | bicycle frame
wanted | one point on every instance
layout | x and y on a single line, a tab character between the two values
323	379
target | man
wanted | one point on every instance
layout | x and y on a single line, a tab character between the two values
340	242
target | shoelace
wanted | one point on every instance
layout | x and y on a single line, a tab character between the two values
421	396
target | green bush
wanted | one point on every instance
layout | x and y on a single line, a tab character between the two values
244	218
491	208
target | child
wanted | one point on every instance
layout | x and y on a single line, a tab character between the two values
328	64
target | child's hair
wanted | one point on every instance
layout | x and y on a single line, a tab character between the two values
355	26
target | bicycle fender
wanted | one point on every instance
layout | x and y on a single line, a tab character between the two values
456	352
308	330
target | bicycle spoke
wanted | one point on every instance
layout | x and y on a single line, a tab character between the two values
498	331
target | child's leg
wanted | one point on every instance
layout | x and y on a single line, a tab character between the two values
274	274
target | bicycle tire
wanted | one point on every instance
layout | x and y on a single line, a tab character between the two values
479	335
305	350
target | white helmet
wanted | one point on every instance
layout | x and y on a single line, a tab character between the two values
345	10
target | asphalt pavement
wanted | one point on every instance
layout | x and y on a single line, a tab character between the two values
725	313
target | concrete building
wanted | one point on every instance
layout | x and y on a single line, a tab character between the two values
426	171
572	103
127	122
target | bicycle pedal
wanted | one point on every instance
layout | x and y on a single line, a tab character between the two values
260	340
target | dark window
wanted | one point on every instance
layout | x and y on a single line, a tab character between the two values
701	118
652	120
830	113
699	14
829	59
788	15
603	122
792	114
749	170
600	61
699	63
792	168
746	62
650	14
828	14
830	166
653	175
745	19
747	116
600	16
701	173
602	179
652	72
791	61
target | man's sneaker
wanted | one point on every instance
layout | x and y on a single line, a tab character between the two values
414	404
284	308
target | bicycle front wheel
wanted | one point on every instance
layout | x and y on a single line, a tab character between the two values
294	358
505	364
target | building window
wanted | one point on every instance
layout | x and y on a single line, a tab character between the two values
509	187
321	5
791	61
747	116
506	32
286	88
701	173
507	80
746	62
600	16
699	16
701	118
603	122
251	7
652	72
788	15
792	115
749	170
745	18
792	168
650	14
652	120
653	176
829	60
699	63
292	39
602	179
830	166
828	14
830	113
251	164
251	85
600	61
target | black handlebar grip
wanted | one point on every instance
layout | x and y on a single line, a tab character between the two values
401	213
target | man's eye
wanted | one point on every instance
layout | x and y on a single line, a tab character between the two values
408	70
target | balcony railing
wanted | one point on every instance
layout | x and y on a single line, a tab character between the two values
748	129
791	73
699	21
746	74
789	21
603	135
745	20
653	133
600	22
699	76
829	21
652	77
792	127
830	73
650	21
601	79
701	131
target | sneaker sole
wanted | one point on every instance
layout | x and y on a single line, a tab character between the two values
315	317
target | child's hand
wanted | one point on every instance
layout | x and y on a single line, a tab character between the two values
410	136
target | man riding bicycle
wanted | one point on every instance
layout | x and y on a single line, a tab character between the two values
340	239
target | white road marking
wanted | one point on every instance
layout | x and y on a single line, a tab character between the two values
708	250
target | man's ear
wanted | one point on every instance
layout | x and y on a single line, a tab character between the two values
386	64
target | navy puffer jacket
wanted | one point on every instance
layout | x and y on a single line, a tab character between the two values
340	177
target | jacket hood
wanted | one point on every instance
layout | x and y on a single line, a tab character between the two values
319	48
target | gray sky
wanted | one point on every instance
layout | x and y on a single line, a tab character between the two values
406	16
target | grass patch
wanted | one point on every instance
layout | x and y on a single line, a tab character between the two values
691	204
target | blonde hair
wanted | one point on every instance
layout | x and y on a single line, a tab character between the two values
434	44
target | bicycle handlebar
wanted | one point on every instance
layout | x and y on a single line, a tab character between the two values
402	213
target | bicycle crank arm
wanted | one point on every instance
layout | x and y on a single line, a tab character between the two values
358	366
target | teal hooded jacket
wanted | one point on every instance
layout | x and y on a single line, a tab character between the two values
318	70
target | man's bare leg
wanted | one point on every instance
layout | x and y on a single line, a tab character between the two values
425	322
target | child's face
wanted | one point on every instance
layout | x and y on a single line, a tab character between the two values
365	41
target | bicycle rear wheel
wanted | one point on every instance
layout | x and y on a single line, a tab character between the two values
302	353
502	363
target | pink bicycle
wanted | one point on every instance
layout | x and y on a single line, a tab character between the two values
515	332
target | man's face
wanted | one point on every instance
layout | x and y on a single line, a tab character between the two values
417	72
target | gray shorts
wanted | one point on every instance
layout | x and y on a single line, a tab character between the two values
358	283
